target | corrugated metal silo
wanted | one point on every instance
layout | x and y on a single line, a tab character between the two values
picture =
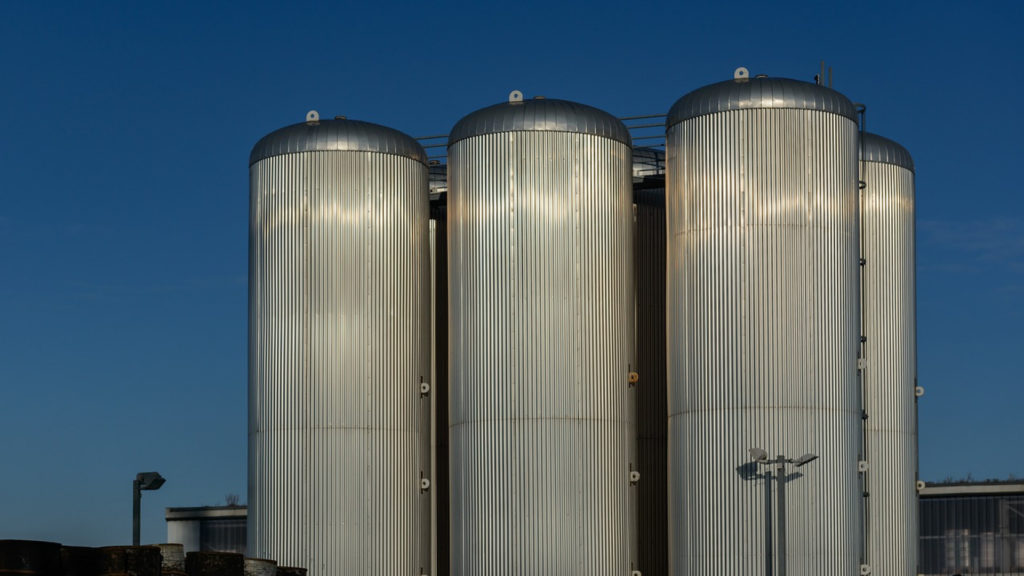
541	341
339	344
763	327
651	392
890	371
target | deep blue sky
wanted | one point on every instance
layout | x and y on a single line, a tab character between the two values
124	138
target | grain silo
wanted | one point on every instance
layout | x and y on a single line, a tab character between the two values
763	329
540	226
651	392
339	349
890	353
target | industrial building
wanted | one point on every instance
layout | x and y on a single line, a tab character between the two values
562	352
207	528
972	528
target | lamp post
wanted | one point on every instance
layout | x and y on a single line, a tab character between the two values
143	481
760	456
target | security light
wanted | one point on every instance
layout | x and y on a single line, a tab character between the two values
758	454
150	480
804	459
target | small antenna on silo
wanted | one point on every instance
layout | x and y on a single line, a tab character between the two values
515	96
829	76
312	117
741	73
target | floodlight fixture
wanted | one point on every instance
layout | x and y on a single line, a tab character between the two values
758	454
143	481
150	480
804	459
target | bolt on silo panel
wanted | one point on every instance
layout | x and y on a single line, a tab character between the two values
890	372
763	321
540	226
338	346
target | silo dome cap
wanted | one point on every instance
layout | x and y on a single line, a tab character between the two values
875	148
542	115
759	92
338	134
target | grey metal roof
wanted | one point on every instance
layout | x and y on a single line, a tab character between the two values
545	115
337	134
747	93
875	148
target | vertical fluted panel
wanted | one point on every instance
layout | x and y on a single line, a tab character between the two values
541	341
338	344
652	409
890	369
763	327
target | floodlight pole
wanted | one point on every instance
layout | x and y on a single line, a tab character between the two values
758	455
143	481
780	474
136	505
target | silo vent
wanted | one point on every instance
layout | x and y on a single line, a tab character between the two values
515	96
312	116
340	117
741	73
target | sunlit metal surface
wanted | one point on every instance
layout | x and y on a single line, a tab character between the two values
758	94
763	322
338	345
890	372
541	335
652	411
543	115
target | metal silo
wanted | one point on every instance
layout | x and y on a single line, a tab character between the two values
651	392
541	341
763	329
890	352
339	347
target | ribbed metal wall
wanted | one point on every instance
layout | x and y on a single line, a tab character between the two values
338	344
763	323
652	408
890	368
541	335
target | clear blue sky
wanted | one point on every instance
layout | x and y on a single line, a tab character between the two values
124	138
